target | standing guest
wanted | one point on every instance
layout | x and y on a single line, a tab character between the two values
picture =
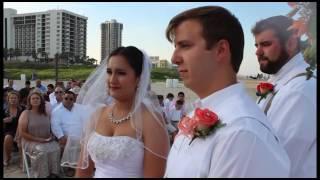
292	106
171	129
167	102
24	92
41	87
37	140
10	124
175	114
10	85
227	135
160	98
168	99
180	97
50	89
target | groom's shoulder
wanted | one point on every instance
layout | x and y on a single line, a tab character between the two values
248	125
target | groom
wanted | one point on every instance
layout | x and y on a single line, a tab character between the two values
209	45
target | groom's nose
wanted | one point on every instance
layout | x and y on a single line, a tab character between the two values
176	58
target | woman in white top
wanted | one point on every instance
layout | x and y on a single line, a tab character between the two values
127	137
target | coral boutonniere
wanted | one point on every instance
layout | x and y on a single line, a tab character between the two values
263	89
203	123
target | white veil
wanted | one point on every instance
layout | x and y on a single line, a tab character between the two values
94	96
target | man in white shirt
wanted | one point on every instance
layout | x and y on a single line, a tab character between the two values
168	101
67	118
175	114
58	97
292	110
179	97
52	96
209	45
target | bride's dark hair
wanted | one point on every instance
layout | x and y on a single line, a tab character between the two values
133	55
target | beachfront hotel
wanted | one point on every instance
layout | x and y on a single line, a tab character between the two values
50	32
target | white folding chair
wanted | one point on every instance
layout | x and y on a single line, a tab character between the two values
25	166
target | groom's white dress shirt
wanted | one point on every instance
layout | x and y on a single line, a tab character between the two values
293	115
246	147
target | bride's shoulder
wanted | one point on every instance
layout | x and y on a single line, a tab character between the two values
151	119
104	109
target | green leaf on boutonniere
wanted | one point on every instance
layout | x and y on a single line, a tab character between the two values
207	131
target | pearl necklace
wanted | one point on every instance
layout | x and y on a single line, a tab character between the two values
118	121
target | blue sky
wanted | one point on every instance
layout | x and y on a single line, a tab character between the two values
145	22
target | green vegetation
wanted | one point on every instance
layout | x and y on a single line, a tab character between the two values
47	71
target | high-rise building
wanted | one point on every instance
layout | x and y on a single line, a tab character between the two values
111	37
46	33
8	32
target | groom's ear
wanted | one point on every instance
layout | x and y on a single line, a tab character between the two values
222	50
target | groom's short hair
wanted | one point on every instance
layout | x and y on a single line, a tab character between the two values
217	23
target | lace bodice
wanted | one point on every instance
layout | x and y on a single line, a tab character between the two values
116	156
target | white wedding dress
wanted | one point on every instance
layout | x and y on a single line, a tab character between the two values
116	156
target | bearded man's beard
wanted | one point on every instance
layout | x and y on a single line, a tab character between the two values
273	67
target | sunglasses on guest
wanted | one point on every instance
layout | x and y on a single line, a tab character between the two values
58	92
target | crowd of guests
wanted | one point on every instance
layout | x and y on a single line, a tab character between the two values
173	110
38	120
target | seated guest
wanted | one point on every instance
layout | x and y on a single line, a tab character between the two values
58	92
76	91
67	120
52	96
10	124
36	138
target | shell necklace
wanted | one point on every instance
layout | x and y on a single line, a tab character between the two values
118	121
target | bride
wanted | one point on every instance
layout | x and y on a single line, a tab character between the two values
126	135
